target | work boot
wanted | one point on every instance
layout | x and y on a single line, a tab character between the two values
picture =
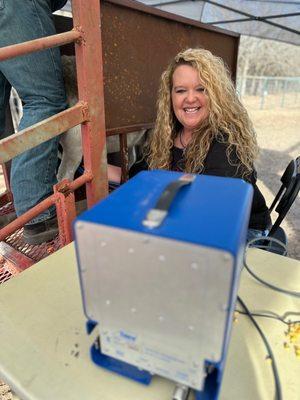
41	232
7	218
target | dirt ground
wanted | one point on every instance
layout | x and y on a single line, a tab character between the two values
278	136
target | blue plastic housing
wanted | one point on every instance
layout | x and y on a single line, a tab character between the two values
212	212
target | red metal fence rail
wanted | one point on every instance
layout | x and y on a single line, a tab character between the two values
89	112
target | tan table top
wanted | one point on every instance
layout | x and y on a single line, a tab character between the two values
44	350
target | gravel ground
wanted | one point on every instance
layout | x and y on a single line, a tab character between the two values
278	137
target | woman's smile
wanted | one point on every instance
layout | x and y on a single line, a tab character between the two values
189	100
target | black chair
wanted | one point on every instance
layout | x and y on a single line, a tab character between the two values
282	203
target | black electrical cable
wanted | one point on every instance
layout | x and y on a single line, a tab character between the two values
276	317
271	286
278	392
289	313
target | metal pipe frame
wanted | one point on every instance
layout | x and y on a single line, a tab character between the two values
89	112
64	188
127	129
65	210
90	89
124	157
46	42
18	260
32	136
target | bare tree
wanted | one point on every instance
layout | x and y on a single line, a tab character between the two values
263	57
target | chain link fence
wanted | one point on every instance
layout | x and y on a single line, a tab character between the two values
269	92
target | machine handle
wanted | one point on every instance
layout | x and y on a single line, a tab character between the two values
156	215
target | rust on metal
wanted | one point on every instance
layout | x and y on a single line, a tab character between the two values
81	39
40	132
164	14
63	187
19	260
65	210
42	206
124	157
133	60
85	112
90	115
46	42
132	65
7	270
90	89
122	130
83	179
35	253
26	217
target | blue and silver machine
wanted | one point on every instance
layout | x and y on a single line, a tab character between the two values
159	263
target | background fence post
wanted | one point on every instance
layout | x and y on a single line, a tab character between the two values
264	93
283	93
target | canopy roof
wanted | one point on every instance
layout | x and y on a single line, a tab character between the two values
268	19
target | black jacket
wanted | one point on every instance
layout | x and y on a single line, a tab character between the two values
216	163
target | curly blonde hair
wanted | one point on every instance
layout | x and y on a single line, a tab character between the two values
228	120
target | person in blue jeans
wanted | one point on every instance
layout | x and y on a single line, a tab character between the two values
38	79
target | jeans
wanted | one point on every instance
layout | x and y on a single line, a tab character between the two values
38	79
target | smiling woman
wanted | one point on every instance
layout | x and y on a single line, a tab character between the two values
189	101
202	127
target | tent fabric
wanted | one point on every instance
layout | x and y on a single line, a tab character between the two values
268	19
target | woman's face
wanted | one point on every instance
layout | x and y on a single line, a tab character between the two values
190	103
